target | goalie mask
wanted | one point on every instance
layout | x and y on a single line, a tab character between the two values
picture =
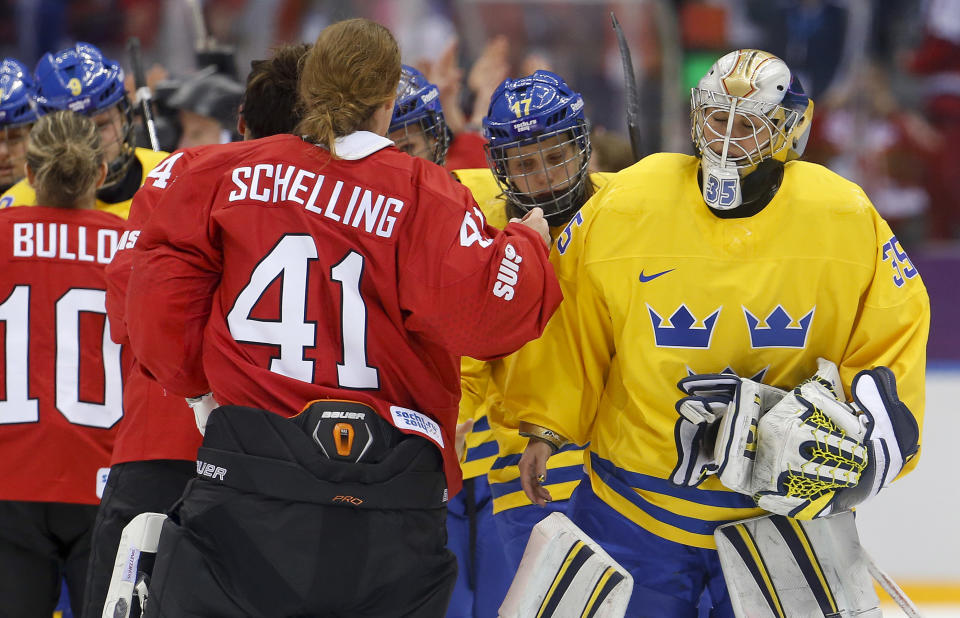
539	145
418	126
81	80
749	109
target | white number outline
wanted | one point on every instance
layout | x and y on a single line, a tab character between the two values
18	407
289	261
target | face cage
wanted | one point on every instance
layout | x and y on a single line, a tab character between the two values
118	167
771	127
22	129
565	195
434	130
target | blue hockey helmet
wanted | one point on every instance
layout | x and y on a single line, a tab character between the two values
539	144
80	79
17	94
418	107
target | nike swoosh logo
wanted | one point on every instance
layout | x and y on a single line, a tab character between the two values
645	278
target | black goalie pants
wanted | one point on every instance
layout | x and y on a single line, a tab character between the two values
272	528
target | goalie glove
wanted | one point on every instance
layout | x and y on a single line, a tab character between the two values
202	407
819	455
716	433
709	395
736	445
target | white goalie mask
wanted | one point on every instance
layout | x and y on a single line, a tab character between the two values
747	109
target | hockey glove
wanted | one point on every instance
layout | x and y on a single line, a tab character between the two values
819	455
810	446
736	444
202	407
709	395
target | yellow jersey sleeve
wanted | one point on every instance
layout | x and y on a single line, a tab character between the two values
893	325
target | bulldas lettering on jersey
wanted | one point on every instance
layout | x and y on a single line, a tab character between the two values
340	414
508	274
352	206
211	471
63	242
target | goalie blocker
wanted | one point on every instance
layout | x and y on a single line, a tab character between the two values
268	487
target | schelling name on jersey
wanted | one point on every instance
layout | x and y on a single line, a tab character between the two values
274	183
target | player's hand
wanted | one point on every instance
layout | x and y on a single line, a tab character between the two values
535	221
461	437
533	471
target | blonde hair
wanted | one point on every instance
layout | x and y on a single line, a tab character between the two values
353	68
65	154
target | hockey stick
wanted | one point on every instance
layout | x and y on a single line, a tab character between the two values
144	95
890	587
631	91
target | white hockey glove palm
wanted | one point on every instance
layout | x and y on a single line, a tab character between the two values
202	406
814	450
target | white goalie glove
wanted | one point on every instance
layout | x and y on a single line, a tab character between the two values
202	406
818	454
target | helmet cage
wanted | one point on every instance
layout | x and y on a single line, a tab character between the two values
773	127
433	128
418	108
565	188
118	167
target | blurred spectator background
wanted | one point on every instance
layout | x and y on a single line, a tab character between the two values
885	74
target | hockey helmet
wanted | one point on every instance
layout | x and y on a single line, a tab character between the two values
418	105
748	108
17	94
81	80
539	144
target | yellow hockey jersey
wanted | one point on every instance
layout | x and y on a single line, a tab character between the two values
22	194
565	469
657	287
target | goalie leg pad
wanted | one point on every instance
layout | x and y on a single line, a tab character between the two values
142	534
565	573
779	567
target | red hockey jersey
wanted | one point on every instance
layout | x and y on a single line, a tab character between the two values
62	375
157	423
274	275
